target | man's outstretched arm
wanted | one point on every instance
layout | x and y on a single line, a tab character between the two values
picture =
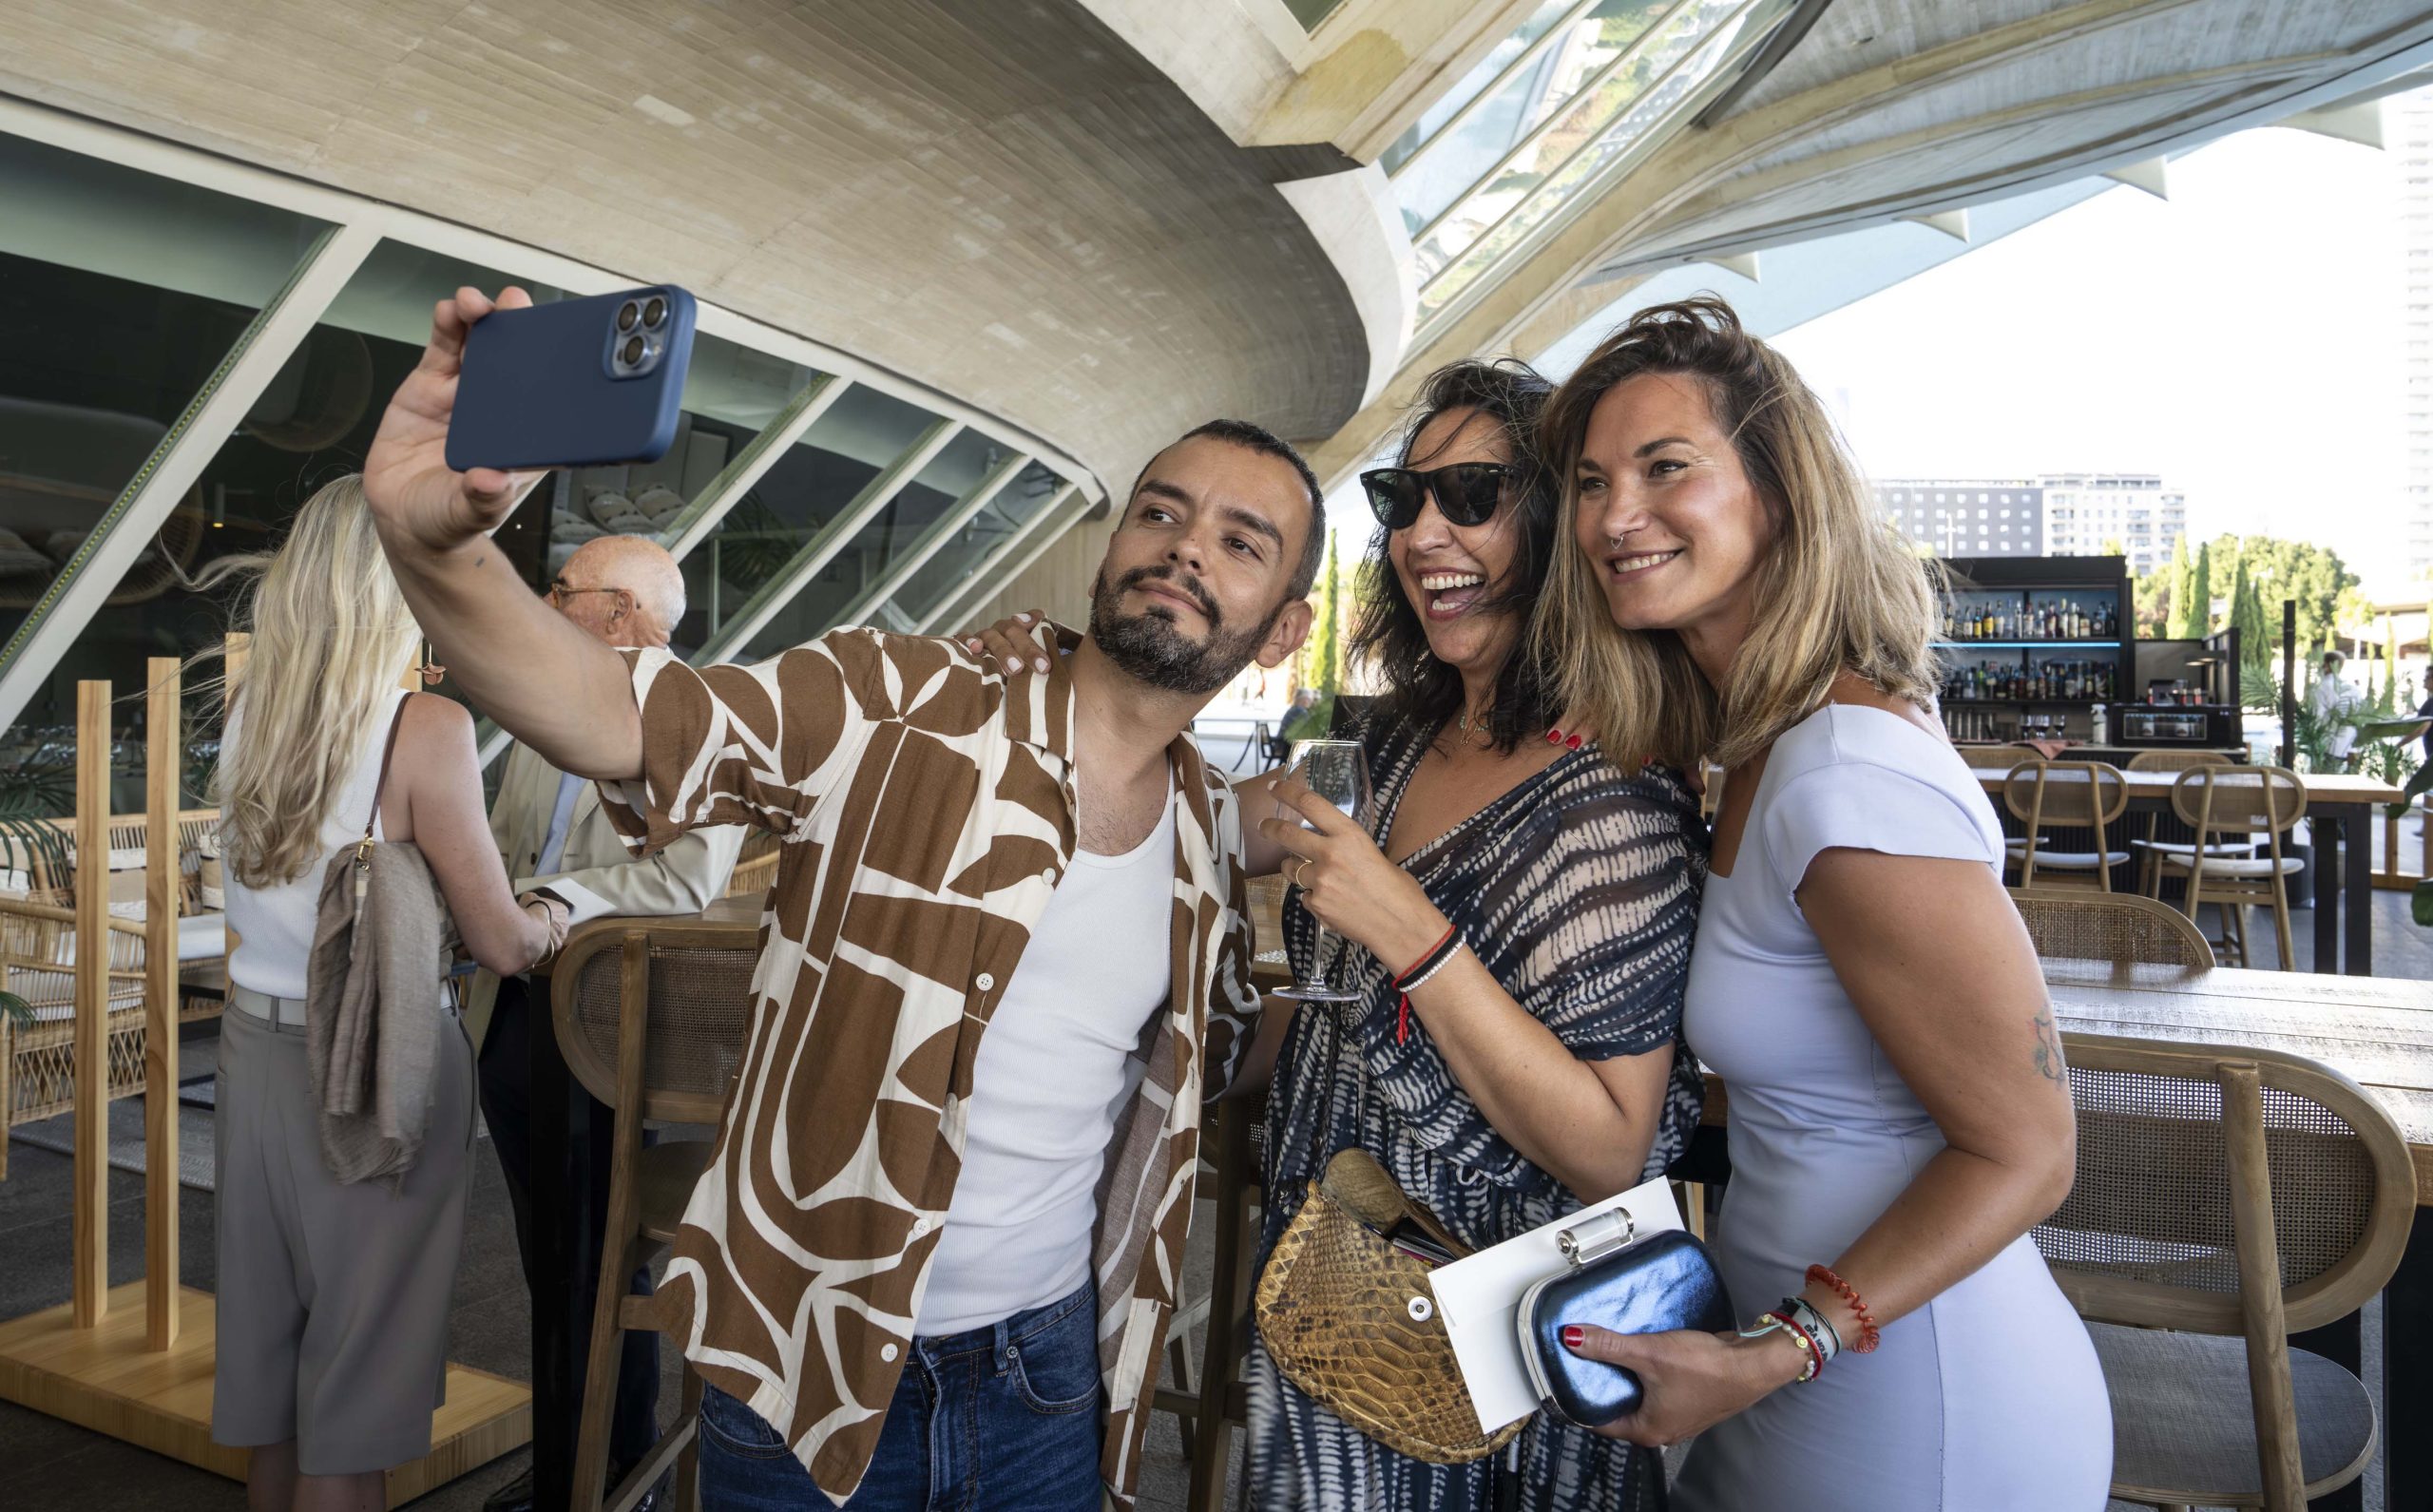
550	685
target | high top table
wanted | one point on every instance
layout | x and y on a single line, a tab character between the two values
2339	808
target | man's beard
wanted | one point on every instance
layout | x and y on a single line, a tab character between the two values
1148	646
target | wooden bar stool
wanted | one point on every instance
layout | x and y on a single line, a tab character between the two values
2239	802
651	1017
2066	794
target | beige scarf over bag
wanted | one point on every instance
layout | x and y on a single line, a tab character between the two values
372	1017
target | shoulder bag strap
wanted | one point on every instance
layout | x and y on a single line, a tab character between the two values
396	722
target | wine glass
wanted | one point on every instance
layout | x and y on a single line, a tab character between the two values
1337	770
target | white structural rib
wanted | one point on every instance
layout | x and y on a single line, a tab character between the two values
1012	557
831	537
1537	133
1495	86
93	573
934	540
759	455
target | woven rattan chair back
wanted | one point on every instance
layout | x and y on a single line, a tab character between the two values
1994	757
2185	1150
2176	760
2117	927
698	984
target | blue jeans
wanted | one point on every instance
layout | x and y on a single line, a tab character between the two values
1000	1419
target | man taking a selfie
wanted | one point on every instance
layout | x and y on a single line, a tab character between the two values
935	1250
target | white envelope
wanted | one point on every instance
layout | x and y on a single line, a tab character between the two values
1480	1299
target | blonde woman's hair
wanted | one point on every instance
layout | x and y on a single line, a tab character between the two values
332	637
1837	589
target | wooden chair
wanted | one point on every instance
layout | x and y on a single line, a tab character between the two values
38	1063
2239	802
2121	927
1994	757
651	1018
2088	796
2227	1198
2151	842
1218	1404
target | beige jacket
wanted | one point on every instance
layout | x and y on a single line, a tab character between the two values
604	878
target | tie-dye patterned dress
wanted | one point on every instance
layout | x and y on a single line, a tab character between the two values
1578	890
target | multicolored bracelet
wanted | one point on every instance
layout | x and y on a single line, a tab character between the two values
1811	1359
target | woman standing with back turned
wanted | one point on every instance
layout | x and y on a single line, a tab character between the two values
333	1298
1900	1111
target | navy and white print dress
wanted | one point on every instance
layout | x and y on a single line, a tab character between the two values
1578	890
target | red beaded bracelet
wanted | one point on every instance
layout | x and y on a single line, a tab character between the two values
1870	1335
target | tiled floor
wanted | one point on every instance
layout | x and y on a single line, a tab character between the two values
48	1467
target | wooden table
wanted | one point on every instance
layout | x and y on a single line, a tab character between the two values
2339	807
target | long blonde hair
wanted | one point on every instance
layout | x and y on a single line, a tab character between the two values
1836	590
332	637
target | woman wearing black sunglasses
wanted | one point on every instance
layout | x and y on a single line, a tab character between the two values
1539	1065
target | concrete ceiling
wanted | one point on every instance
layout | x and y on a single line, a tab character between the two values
998	199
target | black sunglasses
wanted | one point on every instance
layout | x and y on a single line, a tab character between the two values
1466	492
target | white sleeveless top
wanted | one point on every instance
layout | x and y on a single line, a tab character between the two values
273	925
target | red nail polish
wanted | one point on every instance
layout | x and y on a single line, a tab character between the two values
1573	743
1574	1335
1554	737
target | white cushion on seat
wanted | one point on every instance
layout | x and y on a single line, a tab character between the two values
2068	860
2234	866
2182	1420
2176	848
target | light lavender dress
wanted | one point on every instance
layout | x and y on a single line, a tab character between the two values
1989	1398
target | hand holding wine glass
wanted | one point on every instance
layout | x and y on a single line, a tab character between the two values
1350	887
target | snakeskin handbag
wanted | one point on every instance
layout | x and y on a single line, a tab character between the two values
1347	1314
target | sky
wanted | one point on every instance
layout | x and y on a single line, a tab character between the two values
2241	338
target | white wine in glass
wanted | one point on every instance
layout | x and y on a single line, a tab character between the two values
1337	770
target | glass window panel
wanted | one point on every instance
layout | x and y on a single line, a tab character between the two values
121	293
898	530
1555	82
946	574
312	425
1309	12
1433	120
1501	215
783	512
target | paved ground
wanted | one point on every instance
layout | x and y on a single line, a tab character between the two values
49	1467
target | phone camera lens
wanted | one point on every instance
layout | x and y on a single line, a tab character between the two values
654	312
627	314
633	353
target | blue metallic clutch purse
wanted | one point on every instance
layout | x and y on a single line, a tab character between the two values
1615	1281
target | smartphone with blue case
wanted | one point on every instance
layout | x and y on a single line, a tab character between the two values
580	383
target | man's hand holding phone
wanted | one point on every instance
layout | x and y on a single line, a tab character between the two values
420	502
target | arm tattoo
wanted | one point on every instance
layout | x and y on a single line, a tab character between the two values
2048	1049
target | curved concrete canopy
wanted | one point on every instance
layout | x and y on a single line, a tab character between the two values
998	198
1892	108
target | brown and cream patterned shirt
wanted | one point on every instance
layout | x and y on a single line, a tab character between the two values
927	809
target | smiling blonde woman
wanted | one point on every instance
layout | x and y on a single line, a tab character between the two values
1900	1112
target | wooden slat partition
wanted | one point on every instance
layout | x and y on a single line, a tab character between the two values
90	1188
163	722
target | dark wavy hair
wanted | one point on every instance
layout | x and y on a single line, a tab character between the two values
1389	634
